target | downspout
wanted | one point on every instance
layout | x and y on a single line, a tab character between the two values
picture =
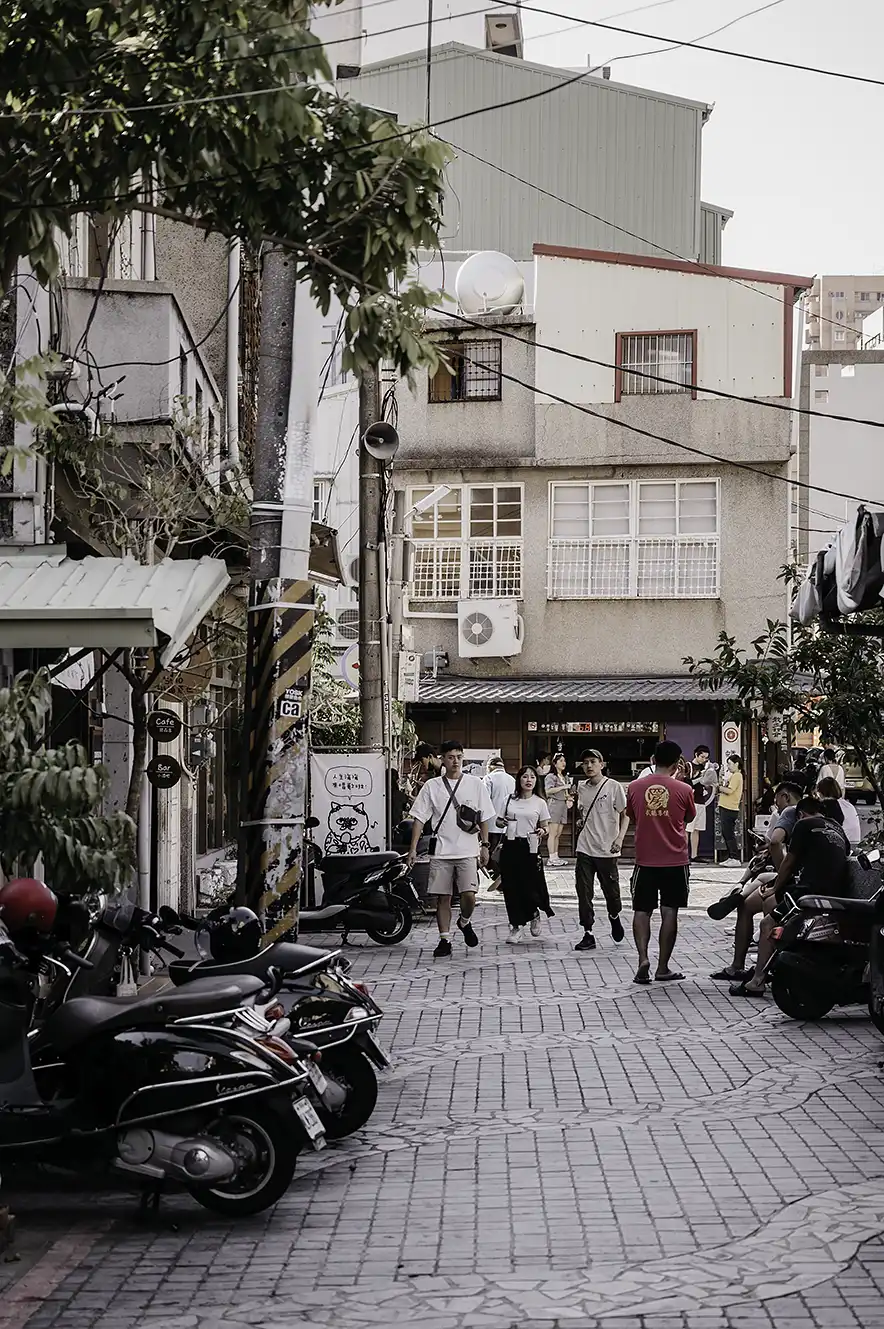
231	408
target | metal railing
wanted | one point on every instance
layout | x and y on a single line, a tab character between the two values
466	570
665	568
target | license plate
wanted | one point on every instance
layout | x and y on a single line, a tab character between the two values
378	1047
311	1123
317	1079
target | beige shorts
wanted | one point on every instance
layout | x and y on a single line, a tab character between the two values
450	874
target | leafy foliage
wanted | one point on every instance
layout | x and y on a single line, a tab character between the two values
818	681
50	801
215	109
334	706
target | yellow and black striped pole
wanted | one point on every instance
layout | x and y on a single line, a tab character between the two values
280	659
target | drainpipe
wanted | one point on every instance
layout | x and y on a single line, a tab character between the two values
231	410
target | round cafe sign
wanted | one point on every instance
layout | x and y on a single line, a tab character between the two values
731	734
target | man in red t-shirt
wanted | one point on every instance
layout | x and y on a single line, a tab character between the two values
661	806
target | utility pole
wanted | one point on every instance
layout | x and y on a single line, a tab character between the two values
371	695
281	604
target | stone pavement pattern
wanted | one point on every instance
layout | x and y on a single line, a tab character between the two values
554	1146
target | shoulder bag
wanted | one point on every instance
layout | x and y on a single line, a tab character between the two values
434	830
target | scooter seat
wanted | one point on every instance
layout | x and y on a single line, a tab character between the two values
286	956
341	865
84	1017
835	904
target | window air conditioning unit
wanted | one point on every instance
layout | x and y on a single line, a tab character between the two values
489	627
348	624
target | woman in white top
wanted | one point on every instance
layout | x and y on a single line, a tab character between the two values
830	788
831	770
526	821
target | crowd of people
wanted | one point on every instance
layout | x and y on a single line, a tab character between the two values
497	824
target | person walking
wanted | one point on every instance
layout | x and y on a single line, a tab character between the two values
603	821
458	812
831	789
661	806
832	770
556	791
521	868
730	798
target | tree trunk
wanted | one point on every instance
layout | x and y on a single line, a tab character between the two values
139	753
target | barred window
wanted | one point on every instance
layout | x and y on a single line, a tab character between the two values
469	545
471	372
641	539
655	362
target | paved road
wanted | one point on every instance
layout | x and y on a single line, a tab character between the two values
553	1147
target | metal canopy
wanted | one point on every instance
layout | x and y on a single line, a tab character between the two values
513	691
48	599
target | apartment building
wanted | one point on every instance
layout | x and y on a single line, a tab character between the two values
836	307
607	513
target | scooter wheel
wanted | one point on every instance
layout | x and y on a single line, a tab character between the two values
266	1142
352	1070
401	926
796	998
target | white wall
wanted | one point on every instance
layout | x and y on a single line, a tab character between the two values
581	304
392	28
845	457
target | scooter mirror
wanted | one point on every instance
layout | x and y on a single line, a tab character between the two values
169	917
311	823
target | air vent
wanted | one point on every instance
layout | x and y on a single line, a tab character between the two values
348	624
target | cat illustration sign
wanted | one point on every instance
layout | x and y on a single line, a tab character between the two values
347	794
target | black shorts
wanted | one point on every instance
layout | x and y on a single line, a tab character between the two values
666	886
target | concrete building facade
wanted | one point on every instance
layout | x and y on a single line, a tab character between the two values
836	308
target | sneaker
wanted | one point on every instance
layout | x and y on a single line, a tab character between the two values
731	863
443	950
469	933
535	926
515	936
617	928
586	942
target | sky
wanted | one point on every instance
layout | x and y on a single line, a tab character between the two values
794	155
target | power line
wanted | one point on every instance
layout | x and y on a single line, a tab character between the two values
712	50
769	404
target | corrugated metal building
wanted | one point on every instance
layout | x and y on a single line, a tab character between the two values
628	159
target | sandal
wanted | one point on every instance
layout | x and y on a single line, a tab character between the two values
742	990
726	905
741	976
643	975
668	978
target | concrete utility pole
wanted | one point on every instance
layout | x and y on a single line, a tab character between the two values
281	605
371	696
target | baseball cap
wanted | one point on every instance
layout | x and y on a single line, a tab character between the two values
591	752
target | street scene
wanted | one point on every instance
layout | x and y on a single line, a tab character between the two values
441	665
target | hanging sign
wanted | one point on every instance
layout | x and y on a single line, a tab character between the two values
164	726
409	688
731	740
163	772
350	666
348	797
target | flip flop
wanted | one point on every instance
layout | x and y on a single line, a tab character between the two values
643	975
721	908
741	990
741	976
668	978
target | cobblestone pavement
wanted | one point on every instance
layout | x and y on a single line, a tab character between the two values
554	1146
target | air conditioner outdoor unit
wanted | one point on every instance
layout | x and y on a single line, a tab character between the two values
489	627
348	624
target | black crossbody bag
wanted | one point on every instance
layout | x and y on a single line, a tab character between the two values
434	831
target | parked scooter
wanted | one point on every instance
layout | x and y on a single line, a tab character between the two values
822	950
161	1087
370	893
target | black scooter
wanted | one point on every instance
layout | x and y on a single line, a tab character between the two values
370	893
822	955
162	1087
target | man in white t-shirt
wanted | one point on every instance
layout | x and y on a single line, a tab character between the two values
601	815
458	813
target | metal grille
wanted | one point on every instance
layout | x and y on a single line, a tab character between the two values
467	569
472	372
669	354
679	568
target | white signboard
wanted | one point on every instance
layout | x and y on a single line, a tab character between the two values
475	760
348	796
731	740
409	676
350	665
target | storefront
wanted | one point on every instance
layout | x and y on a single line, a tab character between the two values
525	718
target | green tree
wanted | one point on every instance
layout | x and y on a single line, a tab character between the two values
50	802
213	111
816	680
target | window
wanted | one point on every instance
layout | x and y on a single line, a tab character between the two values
821	371
210	438
469	546
331	367
840	335
648	539
839	314
836	295
879	296
321	495
472	372
865	295
182	373
821	397
668	355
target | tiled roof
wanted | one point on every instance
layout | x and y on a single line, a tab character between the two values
499	691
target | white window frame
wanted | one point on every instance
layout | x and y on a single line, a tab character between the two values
333	375
480	567
321	496
583	549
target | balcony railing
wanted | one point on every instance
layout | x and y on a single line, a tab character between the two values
448	570
664	568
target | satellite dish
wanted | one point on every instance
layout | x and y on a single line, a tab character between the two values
489	283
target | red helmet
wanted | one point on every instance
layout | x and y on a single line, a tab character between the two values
27	903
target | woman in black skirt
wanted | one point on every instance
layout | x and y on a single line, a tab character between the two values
521	871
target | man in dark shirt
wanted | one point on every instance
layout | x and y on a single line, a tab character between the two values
816	863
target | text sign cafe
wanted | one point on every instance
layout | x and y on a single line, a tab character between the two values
595	727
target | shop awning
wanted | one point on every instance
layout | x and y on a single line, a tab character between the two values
48	600
514	691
